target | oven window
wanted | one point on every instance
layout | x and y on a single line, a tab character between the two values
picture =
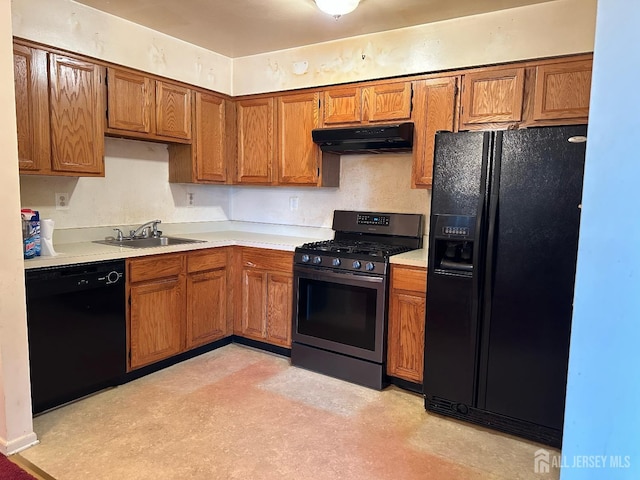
340	313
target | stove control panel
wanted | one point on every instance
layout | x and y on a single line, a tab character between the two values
345	264
368	219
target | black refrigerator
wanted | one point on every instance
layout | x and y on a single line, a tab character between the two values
505	214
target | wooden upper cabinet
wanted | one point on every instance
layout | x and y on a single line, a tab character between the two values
562	90
173	110
139	106
492	96
77	112
297	154
211	154
256	135
130	101
433	111
343	105
206	159
387	102
32	108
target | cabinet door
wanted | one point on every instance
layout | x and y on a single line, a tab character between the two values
32	108
405	354
77	113
406	336
254	300
129	101
206	307
173	110
297	154
157	315
279	300
492	96
343	105
434	110
209	138
562	91
387	102
256	153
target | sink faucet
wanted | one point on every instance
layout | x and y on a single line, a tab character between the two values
143	230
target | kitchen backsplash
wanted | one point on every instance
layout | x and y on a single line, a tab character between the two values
135	189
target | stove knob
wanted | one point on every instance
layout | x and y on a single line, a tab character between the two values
336	262
317	260
369	266
305	258
356	264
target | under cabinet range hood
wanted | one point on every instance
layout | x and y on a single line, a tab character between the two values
365	139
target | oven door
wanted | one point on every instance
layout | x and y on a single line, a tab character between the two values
340	312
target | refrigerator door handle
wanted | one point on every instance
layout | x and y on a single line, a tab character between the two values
493	191
479	248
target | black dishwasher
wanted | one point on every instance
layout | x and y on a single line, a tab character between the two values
77	331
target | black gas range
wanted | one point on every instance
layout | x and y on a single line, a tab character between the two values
341	288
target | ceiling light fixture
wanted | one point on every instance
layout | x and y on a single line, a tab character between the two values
337	8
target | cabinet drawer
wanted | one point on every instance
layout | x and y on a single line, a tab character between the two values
207	260
264	259
411	279
156	266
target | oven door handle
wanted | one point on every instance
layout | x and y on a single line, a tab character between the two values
339	277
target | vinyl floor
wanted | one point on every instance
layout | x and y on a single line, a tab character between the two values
238	413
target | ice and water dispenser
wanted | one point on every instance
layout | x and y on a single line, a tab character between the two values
453	241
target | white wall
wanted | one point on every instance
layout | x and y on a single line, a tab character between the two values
543	30
367	182
16	429
134	190
603	388
72	26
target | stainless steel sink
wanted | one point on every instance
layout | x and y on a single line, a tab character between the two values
147	242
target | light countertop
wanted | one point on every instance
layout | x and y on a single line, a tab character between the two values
76	246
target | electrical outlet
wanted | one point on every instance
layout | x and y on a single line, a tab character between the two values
293	203
191	201
62	201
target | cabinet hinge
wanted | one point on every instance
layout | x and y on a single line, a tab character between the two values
319	104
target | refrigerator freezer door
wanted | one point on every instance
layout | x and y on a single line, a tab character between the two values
529	293
451	327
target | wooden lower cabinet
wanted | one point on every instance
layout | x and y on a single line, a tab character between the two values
206	297
157	300
405	349
266	296
177	301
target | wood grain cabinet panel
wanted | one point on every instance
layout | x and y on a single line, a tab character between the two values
433	111
157	313
298	155
142	107
32	109
343	105
405	351
266	296
173	110
130	101
387	102
254	301
211	154
256	135
77	110
562	91
279	298
490	96
206	307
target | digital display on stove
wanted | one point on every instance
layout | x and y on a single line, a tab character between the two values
365	219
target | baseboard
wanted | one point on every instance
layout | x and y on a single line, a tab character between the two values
285	352
9	447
